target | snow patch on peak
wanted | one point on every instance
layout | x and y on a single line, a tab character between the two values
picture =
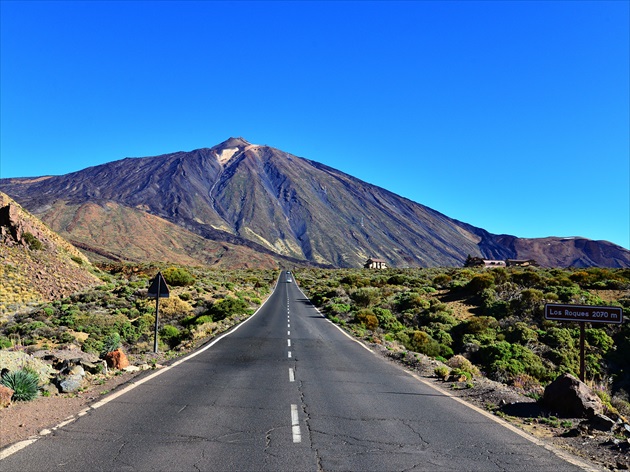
226	154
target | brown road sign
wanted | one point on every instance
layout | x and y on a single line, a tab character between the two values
590	314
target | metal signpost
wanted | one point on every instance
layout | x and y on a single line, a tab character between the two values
157	289
583	314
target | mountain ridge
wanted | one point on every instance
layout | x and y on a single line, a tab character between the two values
272	201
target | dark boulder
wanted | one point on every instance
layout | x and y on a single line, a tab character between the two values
570	397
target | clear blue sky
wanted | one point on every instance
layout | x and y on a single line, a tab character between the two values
511	116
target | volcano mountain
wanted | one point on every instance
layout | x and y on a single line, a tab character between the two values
270	207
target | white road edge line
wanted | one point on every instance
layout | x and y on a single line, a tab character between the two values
4	453
295	424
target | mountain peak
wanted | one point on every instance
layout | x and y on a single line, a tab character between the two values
227	149
233	143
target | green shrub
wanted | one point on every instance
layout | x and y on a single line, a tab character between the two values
505	361
340	308
479	283
32	242
111	342
441	280
458	374
365	297
178	277
5	342
92	346
203	319
48	311
23	383
170	335
460	362
371	322
441	372
227	307
425	344
410	301
387	321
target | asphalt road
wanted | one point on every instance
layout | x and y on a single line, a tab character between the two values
285	391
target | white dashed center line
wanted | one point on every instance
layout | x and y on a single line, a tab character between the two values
291	375
295	424
289	342
289	353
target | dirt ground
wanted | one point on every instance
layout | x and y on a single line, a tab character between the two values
23	420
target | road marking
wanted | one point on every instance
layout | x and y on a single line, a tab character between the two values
288	333
16	447
291	375
295	424
289	353
4	453
289	342
288	325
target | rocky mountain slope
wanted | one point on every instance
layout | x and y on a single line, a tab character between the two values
276	204
37	265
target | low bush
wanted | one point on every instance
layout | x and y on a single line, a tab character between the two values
441	372
227	307
170	335
32	242
110	343
460	362
178	277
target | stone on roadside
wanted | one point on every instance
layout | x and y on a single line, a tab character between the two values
5	396
602	422
71	383
50	388
116	359
569	396
77	370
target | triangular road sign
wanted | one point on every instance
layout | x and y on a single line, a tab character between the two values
158	287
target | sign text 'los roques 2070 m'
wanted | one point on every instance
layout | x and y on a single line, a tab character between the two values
589	314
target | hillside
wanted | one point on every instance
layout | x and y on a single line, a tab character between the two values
112	232
37	264
277	204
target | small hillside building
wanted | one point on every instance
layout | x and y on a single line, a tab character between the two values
480	262
521	263
373	263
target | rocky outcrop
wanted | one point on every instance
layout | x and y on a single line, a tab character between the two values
38	264
568	396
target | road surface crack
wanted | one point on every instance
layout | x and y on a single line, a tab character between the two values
424	442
